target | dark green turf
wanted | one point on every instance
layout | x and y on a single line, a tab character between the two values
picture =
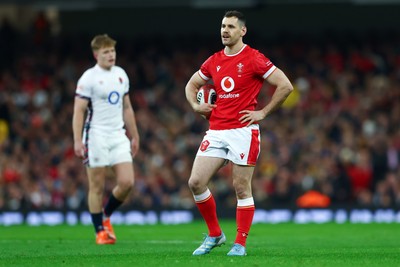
161	245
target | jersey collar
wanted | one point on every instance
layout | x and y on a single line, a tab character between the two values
240	51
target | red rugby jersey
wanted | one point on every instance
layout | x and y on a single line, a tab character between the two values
237	79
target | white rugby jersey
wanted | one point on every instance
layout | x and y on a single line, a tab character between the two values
105	90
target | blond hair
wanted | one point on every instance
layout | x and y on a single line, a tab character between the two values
101	41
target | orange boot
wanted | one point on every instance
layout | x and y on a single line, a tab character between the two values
109	229
103	238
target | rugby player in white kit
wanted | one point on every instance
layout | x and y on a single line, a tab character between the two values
102	94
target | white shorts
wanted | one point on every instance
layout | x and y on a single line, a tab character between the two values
241	145
106	149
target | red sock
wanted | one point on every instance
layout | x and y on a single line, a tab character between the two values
244	219
206	205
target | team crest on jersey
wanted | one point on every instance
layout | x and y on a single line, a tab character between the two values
120	80
240	67
204	145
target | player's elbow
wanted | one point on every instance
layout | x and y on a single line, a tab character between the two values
288	88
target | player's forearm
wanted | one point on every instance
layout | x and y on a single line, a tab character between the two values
130	123
78	118
77	126
191	93
191	89
280	95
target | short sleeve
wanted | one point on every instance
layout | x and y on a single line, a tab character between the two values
84	87
263	65
126	85
204	71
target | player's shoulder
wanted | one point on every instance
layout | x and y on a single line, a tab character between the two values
89	73
89	70
119	69
215	57
250	50
217	54
255	55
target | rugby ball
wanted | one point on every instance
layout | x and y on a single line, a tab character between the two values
207	94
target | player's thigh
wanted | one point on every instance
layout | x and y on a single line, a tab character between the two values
204	168
124	174
96	177
242	176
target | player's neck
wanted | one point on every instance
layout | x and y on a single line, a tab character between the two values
104	67
234	49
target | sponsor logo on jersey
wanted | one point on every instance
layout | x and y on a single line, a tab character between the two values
227	84
113	97
230	95
241	155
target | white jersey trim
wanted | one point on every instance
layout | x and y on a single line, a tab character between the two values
265	76
240	51
204	77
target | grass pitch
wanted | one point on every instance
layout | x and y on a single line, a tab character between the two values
172	245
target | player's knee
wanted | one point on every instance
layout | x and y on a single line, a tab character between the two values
194	184
126	184
96	190
242	189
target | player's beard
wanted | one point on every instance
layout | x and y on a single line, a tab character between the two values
229	42
226	41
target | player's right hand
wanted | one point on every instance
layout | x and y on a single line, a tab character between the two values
79	149
205	108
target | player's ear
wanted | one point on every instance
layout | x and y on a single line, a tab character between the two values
95	55
244	31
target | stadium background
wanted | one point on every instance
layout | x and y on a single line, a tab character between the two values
338	134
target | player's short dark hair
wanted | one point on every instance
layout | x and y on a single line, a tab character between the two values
101	41
235	13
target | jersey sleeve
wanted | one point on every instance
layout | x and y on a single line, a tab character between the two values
84	87
204	71
126	88
263	65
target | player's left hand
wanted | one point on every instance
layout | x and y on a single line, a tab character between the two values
251	116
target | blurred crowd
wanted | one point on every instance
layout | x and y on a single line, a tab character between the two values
337	135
